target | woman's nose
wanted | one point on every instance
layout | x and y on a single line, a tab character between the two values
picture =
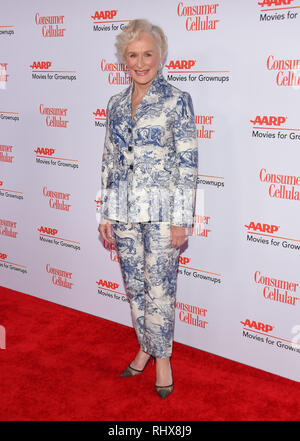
139	61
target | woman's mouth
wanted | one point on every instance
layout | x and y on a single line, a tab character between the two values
141	72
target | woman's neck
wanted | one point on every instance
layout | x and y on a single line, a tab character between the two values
140	90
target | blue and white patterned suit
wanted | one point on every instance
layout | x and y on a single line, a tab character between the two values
148	183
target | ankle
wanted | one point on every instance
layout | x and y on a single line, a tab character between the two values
163	372
163	362
141	359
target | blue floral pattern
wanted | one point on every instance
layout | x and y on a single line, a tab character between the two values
150	163
149	171
149	266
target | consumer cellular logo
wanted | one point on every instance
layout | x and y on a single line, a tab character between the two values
277	290
205	124
201	224
8	228
3	75
51	25
5	155
117	72
60	277
192	315
57	199
281	186
199	18
287	70
54	116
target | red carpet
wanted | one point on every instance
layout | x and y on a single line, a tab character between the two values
64	365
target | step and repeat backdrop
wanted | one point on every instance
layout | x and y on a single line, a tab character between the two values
238	293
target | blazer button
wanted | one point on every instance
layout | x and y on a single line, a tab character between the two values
131	166
129	148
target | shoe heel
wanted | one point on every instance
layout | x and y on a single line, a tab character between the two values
131	372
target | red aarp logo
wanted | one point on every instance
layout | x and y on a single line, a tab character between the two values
275	2
44	151
269	120
181	64
104	15
258	326
262	228
41	65
48	230
107	284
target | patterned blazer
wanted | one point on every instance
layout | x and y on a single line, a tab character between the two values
150	163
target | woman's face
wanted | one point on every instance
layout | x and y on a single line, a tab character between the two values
143	59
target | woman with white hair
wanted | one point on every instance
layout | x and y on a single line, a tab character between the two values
148	184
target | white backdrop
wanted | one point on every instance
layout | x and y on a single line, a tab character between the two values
238	283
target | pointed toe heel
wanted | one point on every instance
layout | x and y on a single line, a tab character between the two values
164	391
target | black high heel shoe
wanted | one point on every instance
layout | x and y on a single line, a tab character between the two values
131	372
165	391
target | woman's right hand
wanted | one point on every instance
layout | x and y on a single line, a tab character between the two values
106	231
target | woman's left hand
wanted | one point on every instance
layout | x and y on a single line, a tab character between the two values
178	235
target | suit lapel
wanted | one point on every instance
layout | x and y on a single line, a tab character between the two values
153	95
124	105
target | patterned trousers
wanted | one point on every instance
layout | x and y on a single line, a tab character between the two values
149	266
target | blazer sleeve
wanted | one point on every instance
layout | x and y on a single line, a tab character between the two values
186	145
106	168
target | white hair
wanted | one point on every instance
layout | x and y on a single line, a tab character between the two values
132	32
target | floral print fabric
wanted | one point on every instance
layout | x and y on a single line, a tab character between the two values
150	163
149	266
